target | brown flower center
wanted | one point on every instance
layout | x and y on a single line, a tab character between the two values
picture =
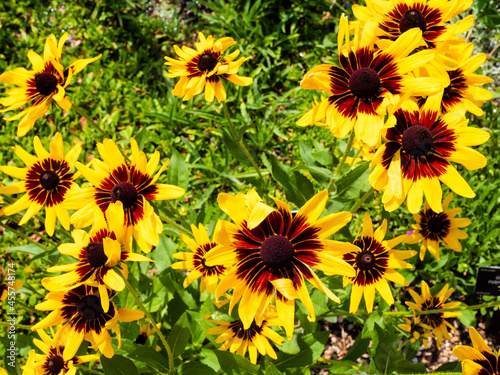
95	254
207	62
276	251
49	180
89	308
365	261
417	141
45	83
54	364
124	192
411	19
364	83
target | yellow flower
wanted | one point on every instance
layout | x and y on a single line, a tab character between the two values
42	85
479	359
375	261
203	69
47	182
196	259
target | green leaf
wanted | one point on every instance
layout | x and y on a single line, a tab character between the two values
468	318
151	357
232	363
450	367
404	366
163	253
311	348
178	171
194	368
179	336
355	181
10	362
29	248
270	369
386	353
357	349
234	147
118	365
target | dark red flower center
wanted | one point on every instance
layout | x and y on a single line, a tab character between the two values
124	192
276	251
49	180
45	83
436	224
89	308
411	19
54	364
95	254
433	320
365	261
364	83
417	140
207	62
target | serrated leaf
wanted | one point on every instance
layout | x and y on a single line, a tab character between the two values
179	336
118	365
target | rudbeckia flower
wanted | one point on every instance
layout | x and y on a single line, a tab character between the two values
274	252
418	330
80	309
395	17
98	252
368	85
437	321
46	180
133	183
432	228
416	157
375	262
196	259
255	339
203	69
145	331
58	357
6	283
479	359
42	85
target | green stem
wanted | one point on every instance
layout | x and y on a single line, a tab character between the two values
437	311
242	146
365	196
180	228
90	122
20	234
89	370
358	151
346	153
152	321
21	326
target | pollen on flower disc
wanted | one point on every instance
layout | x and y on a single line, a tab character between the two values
45	83
364	83
207	62
365	261
417	140
276	251
49	180
95	254
55	364
124	192
411	19
89	308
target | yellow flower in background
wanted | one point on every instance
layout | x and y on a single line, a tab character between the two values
133	183
5	283
274	252
100	256
479	359
437	321
368	85
255	339
417	156
58	357
80	309
204	68
418	330
375	261
42	85
432	228
195	261
145	331
47	181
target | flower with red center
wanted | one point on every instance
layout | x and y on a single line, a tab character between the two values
437	321
203	69
255	338
42	85
479	359
416	157
196	259
58	357
369	83
432	228
417	329
80	309
133	183
98	252
274	252
375	262
394	17
47	180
